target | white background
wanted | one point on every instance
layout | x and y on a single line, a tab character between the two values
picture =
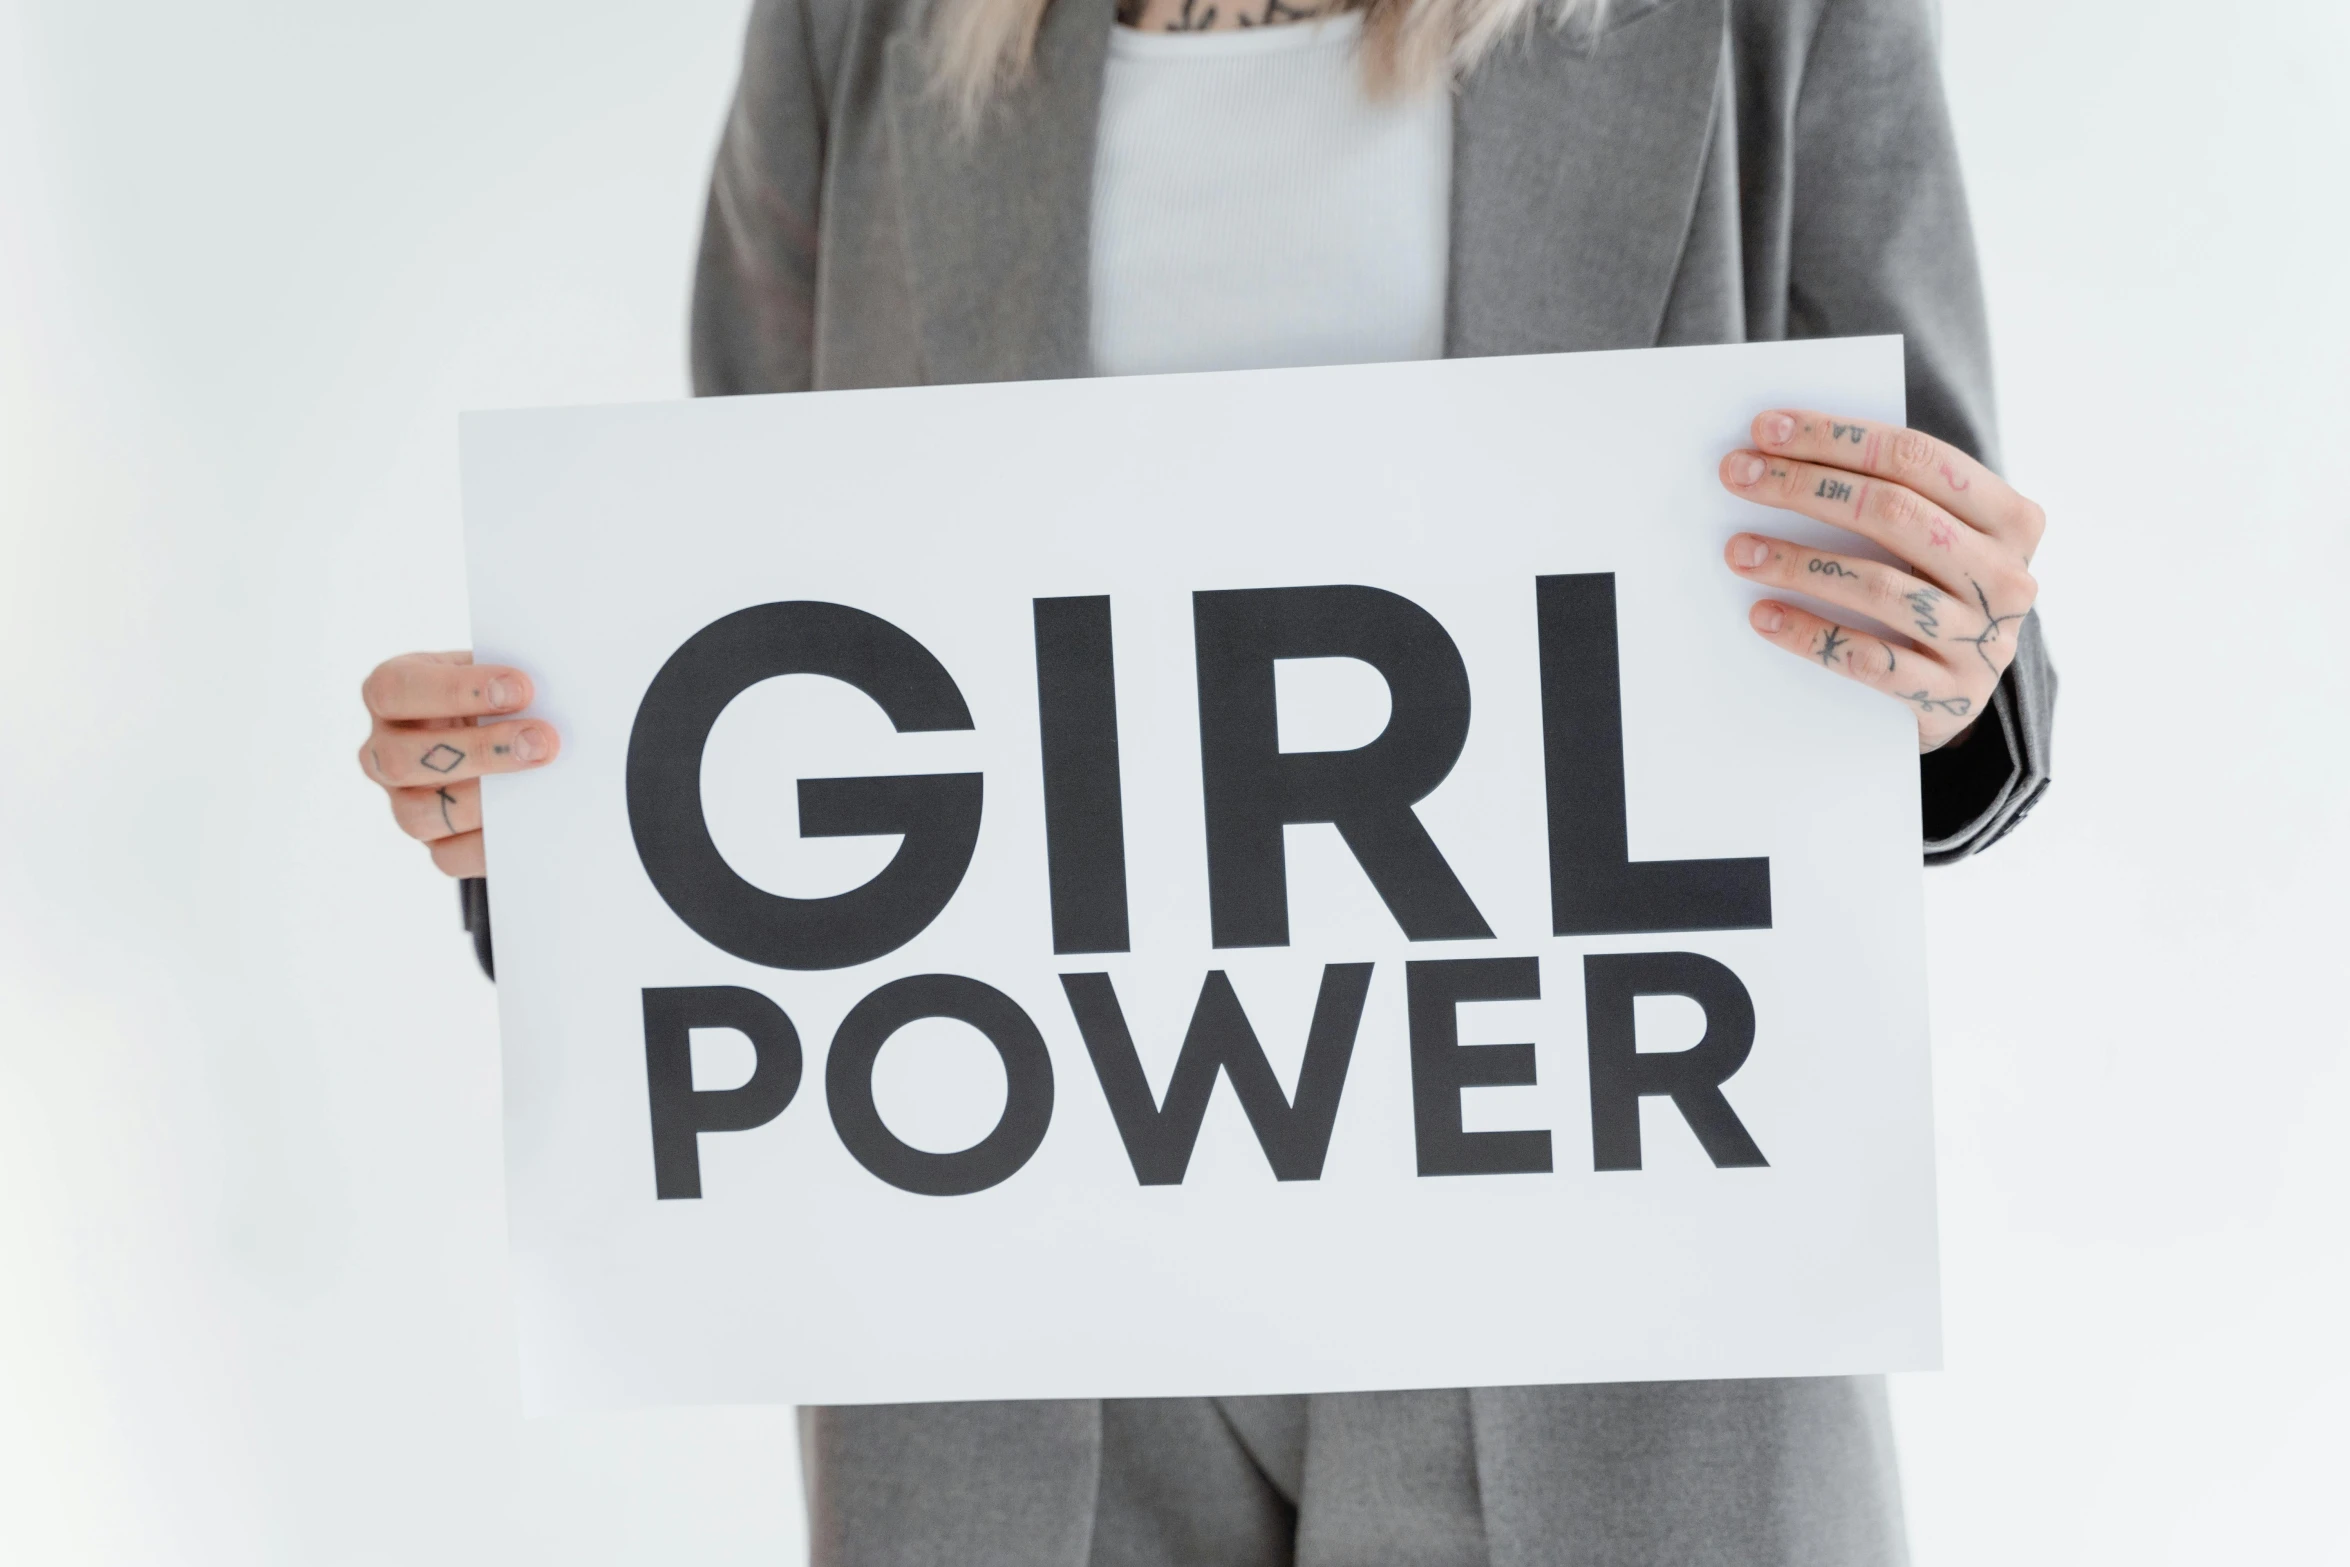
253	257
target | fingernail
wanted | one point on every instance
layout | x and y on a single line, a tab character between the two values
1767	617
1748	552
1745	468
505	693
530	745
1776	429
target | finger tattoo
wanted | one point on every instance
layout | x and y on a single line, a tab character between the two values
1829	568
447	800
442	758
1921	606
1830	640
1955	706
1991	624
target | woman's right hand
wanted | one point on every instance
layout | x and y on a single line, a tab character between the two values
433	739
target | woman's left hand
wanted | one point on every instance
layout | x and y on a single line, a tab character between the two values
1965	534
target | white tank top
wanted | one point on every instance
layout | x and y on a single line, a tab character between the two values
1254	206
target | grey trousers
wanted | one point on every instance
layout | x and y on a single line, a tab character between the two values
1785	1473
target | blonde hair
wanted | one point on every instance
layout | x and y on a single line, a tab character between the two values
979	48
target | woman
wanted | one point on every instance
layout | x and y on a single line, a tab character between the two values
997	189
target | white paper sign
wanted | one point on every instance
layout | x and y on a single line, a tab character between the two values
872	700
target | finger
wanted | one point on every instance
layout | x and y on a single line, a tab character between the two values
1904	522
1934	469
1853	654
437	813
1937	698
461	855
1866	587
427	758
418	686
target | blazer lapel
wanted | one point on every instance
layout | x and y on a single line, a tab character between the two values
1576	157
997	222
1576	160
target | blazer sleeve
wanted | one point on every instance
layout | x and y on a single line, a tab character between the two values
1882	242
754	309
473	908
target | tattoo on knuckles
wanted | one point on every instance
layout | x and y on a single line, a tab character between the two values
1982	640
1833	490
1860	435
1922	605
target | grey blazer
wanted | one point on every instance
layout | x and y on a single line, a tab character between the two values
1699	171
1693	171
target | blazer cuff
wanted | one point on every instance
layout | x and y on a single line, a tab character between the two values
1976	794
473	906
